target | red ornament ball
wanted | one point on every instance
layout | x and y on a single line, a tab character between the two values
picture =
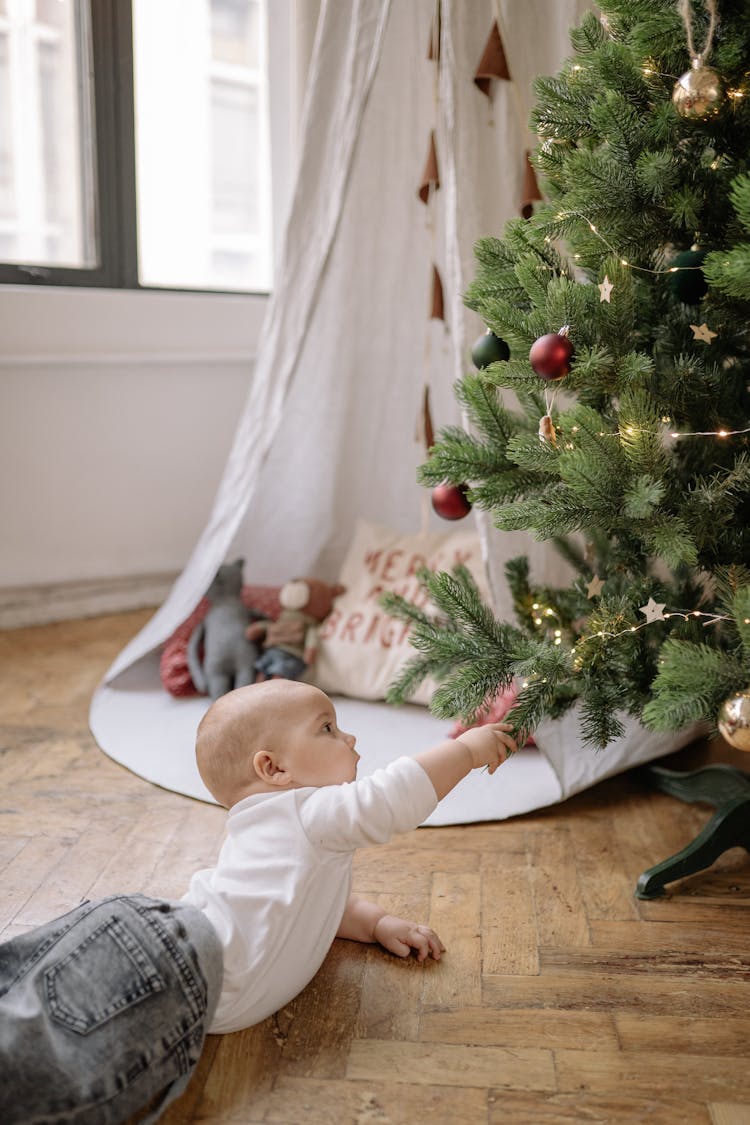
550	356
449	501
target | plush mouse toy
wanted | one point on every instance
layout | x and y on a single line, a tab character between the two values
229	656
291	641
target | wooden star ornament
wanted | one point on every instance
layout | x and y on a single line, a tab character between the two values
605	290
594	587
654	611
703	332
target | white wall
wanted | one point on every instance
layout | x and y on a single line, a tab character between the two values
116	413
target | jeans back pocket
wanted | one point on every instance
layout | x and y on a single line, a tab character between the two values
106	973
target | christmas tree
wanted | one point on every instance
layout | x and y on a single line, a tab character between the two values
624	301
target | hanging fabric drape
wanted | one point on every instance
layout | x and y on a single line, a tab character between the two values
344	62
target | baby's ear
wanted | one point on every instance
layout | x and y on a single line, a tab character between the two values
269	771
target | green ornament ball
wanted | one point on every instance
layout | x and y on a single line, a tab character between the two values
688	285
488	349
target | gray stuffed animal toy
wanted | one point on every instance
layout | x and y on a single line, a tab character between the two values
228	659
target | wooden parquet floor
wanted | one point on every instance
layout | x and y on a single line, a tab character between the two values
561	999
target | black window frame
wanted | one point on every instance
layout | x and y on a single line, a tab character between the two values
112	86
113	113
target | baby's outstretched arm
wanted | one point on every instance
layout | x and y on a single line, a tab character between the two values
364	921
450	761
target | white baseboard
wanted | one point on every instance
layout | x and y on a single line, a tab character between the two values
61	601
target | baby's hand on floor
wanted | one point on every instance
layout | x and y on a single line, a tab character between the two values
400	937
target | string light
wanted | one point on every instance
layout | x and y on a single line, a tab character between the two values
623	261
634	431
711	619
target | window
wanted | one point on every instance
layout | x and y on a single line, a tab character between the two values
46	212
135	143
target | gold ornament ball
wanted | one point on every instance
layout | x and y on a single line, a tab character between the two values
697	93
734	720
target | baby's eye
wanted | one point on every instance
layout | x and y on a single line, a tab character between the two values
328	728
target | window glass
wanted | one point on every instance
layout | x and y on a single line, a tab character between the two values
202	144
236	31
46	141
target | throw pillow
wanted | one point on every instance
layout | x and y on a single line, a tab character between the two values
361	648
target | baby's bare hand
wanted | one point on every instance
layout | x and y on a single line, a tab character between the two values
489	745
400	937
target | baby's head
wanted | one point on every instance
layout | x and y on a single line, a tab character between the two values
267	737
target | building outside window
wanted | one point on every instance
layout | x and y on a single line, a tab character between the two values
46	135
183	85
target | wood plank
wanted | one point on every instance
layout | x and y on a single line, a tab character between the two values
240	1078
455	916
406	870
682	909
602	992
659	937
728	1035
729	1113
517	1108
442	1064
560	911
676	1075
508	947
319	1024
605	883
141	852
184	1107
307	1101
639	836
533	1027
68	883
705	965
187	852
391	989
26	872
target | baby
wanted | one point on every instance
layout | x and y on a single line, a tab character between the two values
273	754
104	1012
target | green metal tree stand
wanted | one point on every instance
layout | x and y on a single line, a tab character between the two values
725	787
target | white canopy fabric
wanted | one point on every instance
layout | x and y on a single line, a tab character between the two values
327	434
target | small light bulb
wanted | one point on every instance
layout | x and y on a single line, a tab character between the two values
722	433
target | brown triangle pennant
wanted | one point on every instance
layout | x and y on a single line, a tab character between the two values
493	63
531	192
427	428
433	49
430	176
438	309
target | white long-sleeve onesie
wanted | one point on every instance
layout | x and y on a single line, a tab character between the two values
278	892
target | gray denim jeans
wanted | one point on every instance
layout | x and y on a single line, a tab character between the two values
104	1011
